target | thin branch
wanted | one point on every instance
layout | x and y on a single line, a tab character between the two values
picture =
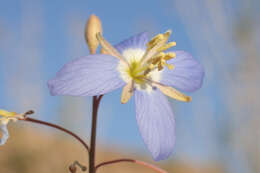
148	165
59	128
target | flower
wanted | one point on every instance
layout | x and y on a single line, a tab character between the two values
142	68
5	117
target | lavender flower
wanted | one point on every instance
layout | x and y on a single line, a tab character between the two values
5	118
142	68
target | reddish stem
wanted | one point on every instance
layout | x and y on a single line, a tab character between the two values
59	128
148	165
96	101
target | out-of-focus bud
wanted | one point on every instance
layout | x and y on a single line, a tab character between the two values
73	168
103	51
93	26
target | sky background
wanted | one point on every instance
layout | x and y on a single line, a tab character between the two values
221	123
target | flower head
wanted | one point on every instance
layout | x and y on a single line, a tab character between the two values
143	69
5	118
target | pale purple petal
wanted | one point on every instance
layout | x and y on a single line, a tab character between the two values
87	76
187	74
138	41
156	123
5	134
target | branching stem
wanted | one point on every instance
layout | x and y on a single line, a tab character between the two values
148	165
59	128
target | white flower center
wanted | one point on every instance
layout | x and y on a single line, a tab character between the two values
136	70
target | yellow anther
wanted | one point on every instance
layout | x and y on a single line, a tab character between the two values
170	66
169	56
156	58
163	62
159	55
155	40
158	39
166	46
151	66
160	61
167	34
156	45
160	66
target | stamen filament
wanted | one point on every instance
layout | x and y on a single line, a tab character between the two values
127	92
109	48
169	91
153	47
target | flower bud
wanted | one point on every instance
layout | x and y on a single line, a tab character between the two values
103	51
93	27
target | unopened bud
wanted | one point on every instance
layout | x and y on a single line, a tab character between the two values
73	169
103	51
93	27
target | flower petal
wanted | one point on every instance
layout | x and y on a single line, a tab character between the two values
5	134
156	123
138	41
187	74
87	76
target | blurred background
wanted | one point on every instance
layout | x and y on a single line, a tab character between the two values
218	132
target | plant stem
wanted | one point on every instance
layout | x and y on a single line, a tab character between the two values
59	128
96	101
148	165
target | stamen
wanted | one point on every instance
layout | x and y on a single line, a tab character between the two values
155	40
170	66
127	92
171	92
169	56
160	65
168	33
109	48
166	46
160	61
154	46
155	59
